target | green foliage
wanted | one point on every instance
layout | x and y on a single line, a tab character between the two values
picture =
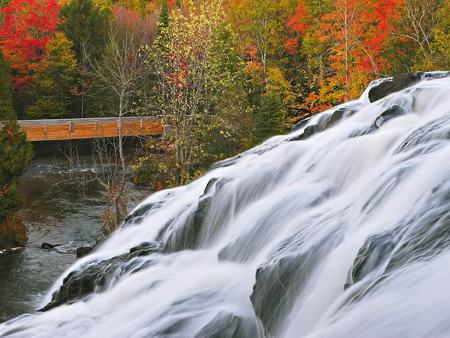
437	56
270	117
198	72
86	25
15	154
55	78
163	21
6	103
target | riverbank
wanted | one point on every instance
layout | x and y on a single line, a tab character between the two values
52	214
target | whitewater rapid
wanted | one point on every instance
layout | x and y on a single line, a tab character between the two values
338	229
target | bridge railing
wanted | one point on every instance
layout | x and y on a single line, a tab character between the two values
84	128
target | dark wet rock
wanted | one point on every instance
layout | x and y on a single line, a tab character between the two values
187	236
300	124
324	122
308	132
389	114
84	251
145	210
393	85
139	214
176	322
49	246
337	116
415	239
371	256
94	276
401	82
227	325
282	278
5	251
438	129
225	163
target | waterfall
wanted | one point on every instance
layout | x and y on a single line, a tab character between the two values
338	229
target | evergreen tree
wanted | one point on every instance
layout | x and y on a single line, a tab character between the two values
226	129
270	117
15	155
55	77
6	104
163	16
86	25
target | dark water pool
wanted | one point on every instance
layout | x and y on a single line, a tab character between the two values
55	215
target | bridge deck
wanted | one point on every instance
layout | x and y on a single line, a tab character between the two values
74	129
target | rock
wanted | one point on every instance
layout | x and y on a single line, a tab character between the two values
84	251
389	114
225	163
227	325
49	246
393	85
95	276
337	115
284	276
371	256
395	249
308	132
301	123
188	235
324	122
11	250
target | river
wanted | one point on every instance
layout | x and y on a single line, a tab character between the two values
52	214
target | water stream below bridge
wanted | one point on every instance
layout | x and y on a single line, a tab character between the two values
56	215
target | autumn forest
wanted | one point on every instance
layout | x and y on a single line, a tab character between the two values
223	74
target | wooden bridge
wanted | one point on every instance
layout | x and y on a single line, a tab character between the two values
86	128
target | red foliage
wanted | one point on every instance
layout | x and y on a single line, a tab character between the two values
291	45
359	30
141	29
26	30
297	24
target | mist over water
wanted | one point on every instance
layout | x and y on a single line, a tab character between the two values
339	229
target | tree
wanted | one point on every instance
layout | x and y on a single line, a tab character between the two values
309	52
86	25
28	26
226	129
55	77
6	104
182	61
16	154
345	47
163	21
430	32
270	117
260	26
121	72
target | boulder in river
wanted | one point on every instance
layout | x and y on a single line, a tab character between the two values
393	85
84	251
49	246
94	276
400	82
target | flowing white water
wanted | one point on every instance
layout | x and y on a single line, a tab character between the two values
343	234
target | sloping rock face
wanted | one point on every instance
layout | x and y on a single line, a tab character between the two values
400	82
396	84
96	276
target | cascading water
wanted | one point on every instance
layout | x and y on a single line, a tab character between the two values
339	229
